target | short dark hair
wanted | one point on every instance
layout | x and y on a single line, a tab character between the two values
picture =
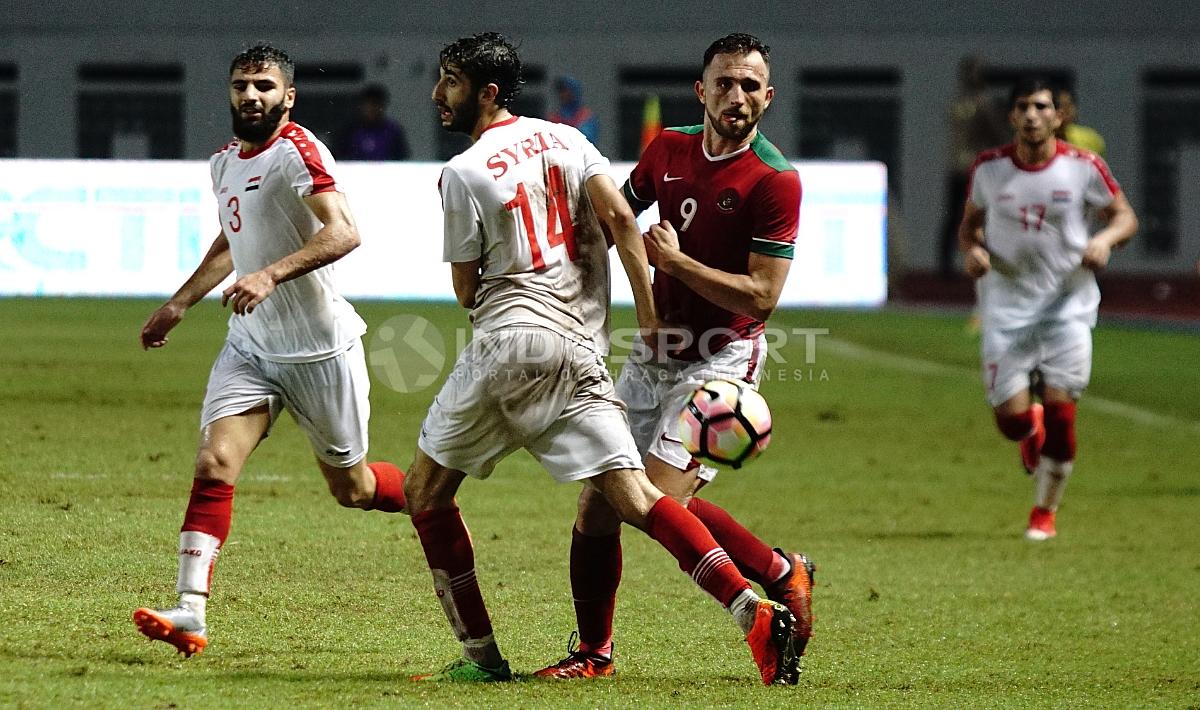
487	58
375	93
736	43
262	55
1027	85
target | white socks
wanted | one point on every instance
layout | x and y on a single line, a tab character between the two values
197	555
744	607
1049	482
483	651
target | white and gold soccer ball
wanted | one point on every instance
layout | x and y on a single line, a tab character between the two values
725	421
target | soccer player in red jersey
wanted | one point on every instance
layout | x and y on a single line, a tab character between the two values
526	211
730	206
1025	238
293	343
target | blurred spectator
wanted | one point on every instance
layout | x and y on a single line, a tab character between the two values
1073	133
976	124
570	109
372	135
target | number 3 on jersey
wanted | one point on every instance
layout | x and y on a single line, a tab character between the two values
559	229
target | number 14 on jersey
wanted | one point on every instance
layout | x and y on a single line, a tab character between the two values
559	228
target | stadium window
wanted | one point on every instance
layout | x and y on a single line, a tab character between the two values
327	98
851	113
8	110
678	106
530	102
132	111
1170	147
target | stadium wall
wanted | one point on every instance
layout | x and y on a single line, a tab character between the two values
1108	50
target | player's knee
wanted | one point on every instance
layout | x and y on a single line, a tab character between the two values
350	495
595	516
215	464
1014	426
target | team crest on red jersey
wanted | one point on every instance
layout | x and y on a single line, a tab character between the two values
728	200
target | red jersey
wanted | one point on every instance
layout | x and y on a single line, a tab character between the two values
724	208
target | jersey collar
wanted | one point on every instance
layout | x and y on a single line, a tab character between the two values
246	154
508	121
727	156
1060	148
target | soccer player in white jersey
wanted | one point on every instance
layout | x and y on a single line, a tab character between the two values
293	341
526	211
1025	238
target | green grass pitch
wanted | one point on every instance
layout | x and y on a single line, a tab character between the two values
885	468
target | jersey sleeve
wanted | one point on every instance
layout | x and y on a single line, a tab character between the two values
776	214
594	162
976	194
462	224
312	173
639	188
1101	186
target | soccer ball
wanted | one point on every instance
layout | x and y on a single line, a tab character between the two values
725	421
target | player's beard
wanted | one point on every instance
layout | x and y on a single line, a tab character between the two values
463	116
731	132
257	130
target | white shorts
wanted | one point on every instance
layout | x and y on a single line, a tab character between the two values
530	388
327	398
656	392
1061	350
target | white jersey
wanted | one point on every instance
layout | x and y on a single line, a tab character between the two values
517	200
1035	229
260	196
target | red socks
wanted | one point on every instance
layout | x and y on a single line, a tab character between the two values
595	575
452	561
1060	431
389	487
757	562
1015	427
210	509
693	546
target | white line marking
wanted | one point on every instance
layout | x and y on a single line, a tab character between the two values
921	366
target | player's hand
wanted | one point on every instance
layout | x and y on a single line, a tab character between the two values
160	322
661	244
1096	254
248	291
977	261
665	338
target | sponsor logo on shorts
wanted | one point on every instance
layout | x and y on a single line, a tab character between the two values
335	452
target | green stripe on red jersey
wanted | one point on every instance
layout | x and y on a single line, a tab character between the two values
769	154
689	130
768	247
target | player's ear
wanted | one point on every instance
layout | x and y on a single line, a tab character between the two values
700	90
770	95
289	98
489	93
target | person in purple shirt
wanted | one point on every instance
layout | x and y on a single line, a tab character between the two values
372	135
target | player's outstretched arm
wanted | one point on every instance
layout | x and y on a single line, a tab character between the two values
337	238
1121	225
213	268
754	294
620	225
976	259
